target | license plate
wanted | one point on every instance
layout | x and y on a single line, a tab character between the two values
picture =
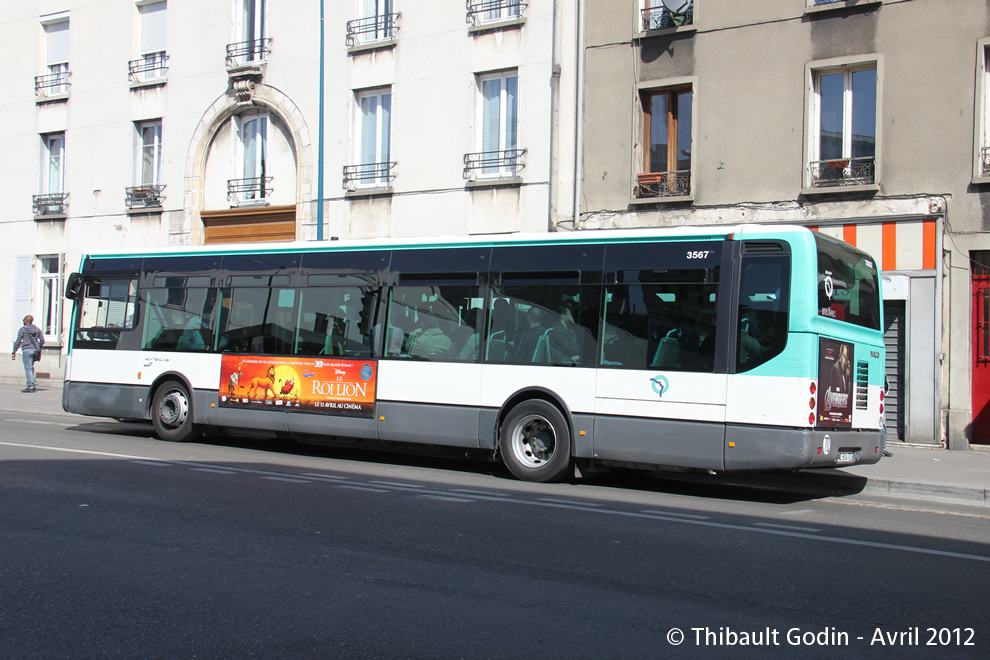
846	457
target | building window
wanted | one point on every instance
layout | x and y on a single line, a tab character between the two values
492	11
254	45
497	135
147	171
375	20
47	316
667	136
51	199
372	146
843	144
982	168
663	14
56	81
253	187
152	64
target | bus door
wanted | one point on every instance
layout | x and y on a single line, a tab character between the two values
661	381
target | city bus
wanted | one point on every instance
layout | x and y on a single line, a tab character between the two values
725	348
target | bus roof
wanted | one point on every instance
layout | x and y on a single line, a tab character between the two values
679	233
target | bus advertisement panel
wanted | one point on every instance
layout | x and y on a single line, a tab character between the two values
835	360
334	386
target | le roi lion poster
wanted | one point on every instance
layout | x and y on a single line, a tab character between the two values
329	386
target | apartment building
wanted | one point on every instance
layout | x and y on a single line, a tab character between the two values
867	119
167	123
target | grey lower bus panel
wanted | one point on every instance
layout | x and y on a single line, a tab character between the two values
455	426
342	426
659	442
761	448
105	400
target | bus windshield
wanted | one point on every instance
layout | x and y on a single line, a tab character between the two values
848	284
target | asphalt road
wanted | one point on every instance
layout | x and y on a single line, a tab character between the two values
114	544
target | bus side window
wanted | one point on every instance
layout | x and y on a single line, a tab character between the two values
764	296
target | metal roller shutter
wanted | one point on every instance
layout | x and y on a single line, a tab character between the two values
894	341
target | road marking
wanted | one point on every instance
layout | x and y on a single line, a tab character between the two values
214	471
484	493
444	498
800	529
367	489
680	515
152	463
324	476
38	421
76	451
574	502
287	479
396	484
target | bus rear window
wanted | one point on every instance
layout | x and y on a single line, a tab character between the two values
848	284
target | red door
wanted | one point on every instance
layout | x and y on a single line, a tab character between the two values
980	431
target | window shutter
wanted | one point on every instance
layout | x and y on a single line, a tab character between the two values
22	292
153	28
386	137
236	167
58	42
136	154
511	111
42	164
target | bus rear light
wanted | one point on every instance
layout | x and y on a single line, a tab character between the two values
811	402
881	408
819	450
813	387
881	395
811	419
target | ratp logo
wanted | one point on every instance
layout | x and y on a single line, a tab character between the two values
660	385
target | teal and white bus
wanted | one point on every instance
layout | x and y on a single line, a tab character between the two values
718	348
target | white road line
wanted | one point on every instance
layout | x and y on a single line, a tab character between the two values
152	463
75	451
800	529
396	484
288	480
324	476
484	493
366	489
693	516
573	502
38	421
444	498
213	471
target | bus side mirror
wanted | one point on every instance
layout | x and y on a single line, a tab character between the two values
74	286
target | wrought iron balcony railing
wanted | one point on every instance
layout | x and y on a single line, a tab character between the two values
676	183
254	190
487	11
985	161
255	51
144	196
659	18
842	172
53	84
369	175
494	164
152	66
370	29
50	203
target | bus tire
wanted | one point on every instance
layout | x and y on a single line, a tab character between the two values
536	442
172	413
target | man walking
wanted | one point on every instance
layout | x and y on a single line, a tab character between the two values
30	340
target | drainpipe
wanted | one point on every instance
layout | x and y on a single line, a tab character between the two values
579	117
554	117
319	153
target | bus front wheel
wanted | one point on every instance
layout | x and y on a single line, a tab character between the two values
171	413
535	442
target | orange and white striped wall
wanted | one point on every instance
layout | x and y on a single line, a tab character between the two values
896	245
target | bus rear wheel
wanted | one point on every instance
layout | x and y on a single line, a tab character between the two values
171	413
535	442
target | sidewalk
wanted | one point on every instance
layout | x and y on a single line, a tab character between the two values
933	475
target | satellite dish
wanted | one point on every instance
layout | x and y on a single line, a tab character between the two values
678	7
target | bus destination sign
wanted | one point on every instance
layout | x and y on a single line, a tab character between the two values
322	385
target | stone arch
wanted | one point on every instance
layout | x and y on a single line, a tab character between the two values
221	110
